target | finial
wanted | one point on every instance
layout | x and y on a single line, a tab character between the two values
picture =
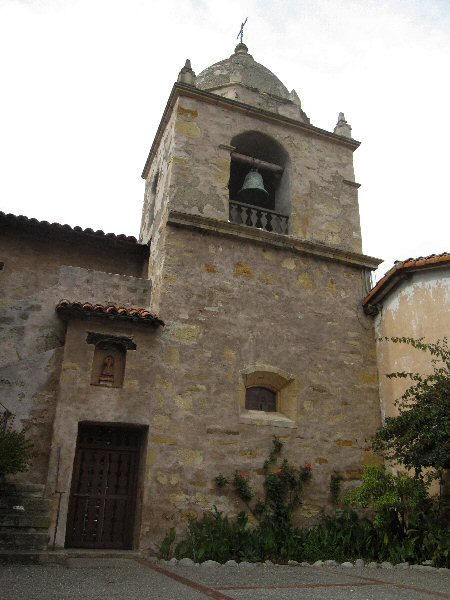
241	49
187	75
342	127
293	96
241	31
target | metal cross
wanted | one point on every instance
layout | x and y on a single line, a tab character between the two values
241	31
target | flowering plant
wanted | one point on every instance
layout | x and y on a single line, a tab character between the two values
283	487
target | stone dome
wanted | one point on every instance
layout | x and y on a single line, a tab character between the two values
241	68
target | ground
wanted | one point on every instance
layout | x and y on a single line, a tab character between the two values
129	579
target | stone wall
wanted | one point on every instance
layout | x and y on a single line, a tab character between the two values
33	280
323	194
158	190
79	401
231	308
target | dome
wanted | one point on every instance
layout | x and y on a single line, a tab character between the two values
241	68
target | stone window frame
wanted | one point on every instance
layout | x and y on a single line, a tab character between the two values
106	344
277	380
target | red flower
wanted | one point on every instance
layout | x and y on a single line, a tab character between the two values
242	475
367	449
280	471
308	465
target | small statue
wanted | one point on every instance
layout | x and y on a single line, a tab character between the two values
107	373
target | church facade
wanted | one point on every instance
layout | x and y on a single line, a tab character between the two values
143	369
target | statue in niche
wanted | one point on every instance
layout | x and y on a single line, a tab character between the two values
107	372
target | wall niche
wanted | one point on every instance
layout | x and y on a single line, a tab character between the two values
109	361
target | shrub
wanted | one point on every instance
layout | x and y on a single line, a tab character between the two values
215	537
16	452
283	486
398	501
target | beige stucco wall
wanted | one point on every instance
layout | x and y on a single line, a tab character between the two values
417	307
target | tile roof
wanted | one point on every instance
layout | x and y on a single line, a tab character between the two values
400	270
66	308
30	223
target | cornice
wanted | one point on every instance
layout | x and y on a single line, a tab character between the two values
182	89
271	239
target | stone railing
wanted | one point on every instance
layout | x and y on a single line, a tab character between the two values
254	216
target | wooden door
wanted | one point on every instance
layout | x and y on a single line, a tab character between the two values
103	494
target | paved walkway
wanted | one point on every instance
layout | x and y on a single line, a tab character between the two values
127	579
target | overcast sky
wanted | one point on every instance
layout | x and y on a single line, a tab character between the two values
84	84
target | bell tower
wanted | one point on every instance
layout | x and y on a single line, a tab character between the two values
235	146
252	217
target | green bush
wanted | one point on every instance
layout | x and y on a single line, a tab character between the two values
397	501
405	518
215	537
419	436
404	525
16	452
341	537
345	536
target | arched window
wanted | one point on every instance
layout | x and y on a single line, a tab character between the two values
268	396
259	190
260	398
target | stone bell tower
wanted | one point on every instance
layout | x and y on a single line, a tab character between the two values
259	279
235	116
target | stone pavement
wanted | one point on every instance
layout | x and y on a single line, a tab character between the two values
131	579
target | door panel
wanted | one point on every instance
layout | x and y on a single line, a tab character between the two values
102	499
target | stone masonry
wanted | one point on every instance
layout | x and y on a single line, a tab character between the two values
242	306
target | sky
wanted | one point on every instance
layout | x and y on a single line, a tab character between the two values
84	84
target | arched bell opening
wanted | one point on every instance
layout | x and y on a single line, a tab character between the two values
259	177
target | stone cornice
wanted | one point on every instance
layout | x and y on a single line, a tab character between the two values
182	89
275	240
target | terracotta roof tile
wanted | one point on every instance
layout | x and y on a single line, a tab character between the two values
57	227
400	269
66	308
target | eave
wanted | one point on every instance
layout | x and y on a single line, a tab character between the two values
400	271
85	310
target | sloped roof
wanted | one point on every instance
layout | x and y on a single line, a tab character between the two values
45	226
400	270
67	309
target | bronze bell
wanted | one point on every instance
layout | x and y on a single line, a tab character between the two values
253	190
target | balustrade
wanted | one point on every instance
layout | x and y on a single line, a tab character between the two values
254	216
